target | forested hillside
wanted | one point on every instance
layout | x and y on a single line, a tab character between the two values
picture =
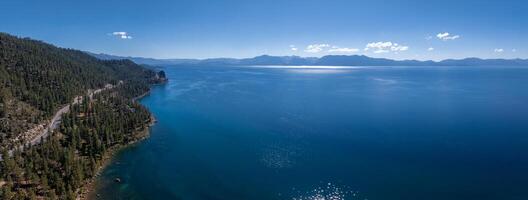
38	79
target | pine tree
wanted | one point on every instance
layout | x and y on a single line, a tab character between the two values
43	81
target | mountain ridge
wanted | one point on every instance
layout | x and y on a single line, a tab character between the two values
330	60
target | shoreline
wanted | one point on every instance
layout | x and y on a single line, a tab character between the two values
87	190
141	96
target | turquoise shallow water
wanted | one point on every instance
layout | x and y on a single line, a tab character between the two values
377	133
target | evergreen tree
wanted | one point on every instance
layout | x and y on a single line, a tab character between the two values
38	79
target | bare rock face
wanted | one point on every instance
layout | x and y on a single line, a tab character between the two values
160	77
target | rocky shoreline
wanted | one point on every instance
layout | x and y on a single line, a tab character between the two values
87	191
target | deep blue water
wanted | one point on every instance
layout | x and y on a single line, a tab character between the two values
376	133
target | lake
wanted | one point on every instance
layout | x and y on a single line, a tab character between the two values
376	133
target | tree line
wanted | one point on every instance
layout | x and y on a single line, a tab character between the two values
36	79
70	156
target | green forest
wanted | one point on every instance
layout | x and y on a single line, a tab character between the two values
36	80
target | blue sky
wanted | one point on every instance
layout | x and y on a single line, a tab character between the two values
404	29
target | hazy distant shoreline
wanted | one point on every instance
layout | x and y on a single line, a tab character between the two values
331	60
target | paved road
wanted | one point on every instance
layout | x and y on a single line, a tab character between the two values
56	120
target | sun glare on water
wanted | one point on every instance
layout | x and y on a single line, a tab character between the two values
304	67
329	192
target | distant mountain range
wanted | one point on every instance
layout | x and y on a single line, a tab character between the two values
331	60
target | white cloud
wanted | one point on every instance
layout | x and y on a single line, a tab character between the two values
442	35
122	35
430	49
385	47
316	48
429	37
379	45
293	48
381	51
397	47
514	50
447	36
498	50
336	49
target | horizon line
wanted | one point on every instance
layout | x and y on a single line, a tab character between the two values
316	57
